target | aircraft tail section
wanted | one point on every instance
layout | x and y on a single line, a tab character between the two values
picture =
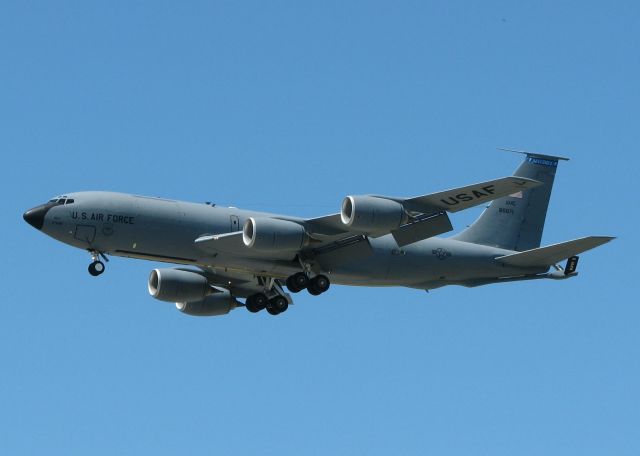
515	222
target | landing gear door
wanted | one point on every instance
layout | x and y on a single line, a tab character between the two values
85	233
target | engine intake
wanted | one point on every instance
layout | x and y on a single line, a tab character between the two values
267	234
371	214
220	303
177	285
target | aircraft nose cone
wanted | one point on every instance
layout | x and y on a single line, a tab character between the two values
35	216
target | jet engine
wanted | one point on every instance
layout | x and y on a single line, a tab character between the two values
178	285
219	303
268	234
371	214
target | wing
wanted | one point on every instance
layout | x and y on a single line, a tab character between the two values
458	199
428	212
417	218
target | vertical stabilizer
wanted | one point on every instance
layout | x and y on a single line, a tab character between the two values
516	222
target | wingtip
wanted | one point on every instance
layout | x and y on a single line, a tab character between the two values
601	240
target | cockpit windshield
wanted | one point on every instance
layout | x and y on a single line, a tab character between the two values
59	200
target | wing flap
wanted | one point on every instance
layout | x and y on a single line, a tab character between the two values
422	229
552	254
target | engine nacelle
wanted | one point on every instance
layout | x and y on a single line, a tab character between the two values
177	285
371	214
267	234
220	303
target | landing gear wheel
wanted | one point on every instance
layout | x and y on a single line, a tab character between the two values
257	302
291	286
318	285
96	268
251	306
313	292
297	282
277	305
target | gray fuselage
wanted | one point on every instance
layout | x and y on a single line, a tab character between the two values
165	230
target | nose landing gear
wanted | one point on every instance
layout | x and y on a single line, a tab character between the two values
97	267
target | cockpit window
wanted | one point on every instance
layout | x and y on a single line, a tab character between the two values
69	201
60	199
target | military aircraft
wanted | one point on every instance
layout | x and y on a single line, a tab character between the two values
373	241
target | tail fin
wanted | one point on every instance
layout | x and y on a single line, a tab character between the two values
516	222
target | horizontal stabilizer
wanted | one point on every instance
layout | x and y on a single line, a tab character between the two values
552	254
227	242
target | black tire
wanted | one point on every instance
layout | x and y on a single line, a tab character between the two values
300	280
260	301
277	305
251	305
313	291
291	285
272	310
320	283
96	268
280	303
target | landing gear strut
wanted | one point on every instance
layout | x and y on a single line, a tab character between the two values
97	267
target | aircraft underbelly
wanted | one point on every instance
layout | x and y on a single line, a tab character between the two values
435	259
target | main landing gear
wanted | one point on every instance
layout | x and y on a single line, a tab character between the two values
275	306
97	267
315	286
275	300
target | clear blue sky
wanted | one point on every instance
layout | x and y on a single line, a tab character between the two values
288	107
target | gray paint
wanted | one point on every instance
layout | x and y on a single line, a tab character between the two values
166	230
516	222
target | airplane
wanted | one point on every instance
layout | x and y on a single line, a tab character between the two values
226	254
